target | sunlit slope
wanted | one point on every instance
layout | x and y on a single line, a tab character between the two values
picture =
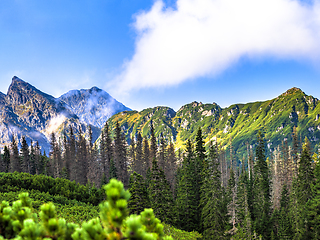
238	123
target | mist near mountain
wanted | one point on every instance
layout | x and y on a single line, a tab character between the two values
27	111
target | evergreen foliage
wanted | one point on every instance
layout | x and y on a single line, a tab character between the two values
160	194
261	192
187	203
214	215
139	199
15	163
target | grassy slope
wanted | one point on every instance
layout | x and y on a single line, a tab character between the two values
239	122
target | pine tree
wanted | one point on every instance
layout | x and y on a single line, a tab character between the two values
231	198
66	157
146	157
55	156
214	214
162	153
171	167
38	159
242	211
138	165
303	193
261	191
81	159
32	166
284	223
153	144
313	206
94	172
25	158
120	156
14	157
113	172
139	199
2	164
132	154
295	152
187	203
106	150
160	195
6	158
71	163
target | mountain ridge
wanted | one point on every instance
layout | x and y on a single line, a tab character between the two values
27	111
238	123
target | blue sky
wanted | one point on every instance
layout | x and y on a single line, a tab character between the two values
148	53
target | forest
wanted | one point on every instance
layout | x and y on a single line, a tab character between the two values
202	188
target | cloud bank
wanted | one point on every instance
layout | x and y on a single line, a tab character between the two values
205	37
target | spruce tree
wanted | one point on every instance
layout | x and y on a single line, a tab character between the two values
38	159
160	195
2	164
25	157
120	156
32	165
303	193
55	155
14	157
171	167
81	159
187	202
106	149
153	145
139	199
231	198
132	155
138	165
314	204
6	158
243	213
261	192
162	153
214	214
113	172
146	157
66	157
71	163
284	222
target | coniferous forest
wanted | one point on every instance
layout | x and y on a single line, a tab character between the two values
203	188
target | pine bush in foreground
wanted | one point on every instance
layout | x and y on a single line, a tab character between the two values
19	221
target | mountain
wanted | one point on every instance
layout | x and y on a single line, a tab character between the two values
238	123
27	111
93	106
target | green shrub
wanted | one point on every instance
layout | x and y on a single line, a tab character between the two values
19	221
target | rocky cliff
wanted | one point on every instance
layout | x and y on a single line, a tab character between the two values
27	111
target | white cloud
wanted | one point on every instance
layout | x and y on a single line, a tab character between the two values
205	37
54	124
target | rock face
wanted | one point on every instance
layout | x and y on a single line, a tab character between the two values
93	106
27	111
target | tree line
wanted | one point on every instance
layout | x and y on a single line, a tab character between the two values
202	188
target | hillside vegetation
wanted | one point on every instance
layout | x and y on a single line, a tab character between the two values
43	190
238	123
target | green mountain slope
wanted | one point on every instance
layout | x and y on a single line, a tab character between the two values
239	122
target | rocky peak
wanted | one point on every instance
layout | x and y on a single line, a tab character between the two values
2	99
20	92
293	90
94	105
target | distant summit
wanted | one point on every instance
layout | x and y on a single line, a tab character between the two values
93	106
27	111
